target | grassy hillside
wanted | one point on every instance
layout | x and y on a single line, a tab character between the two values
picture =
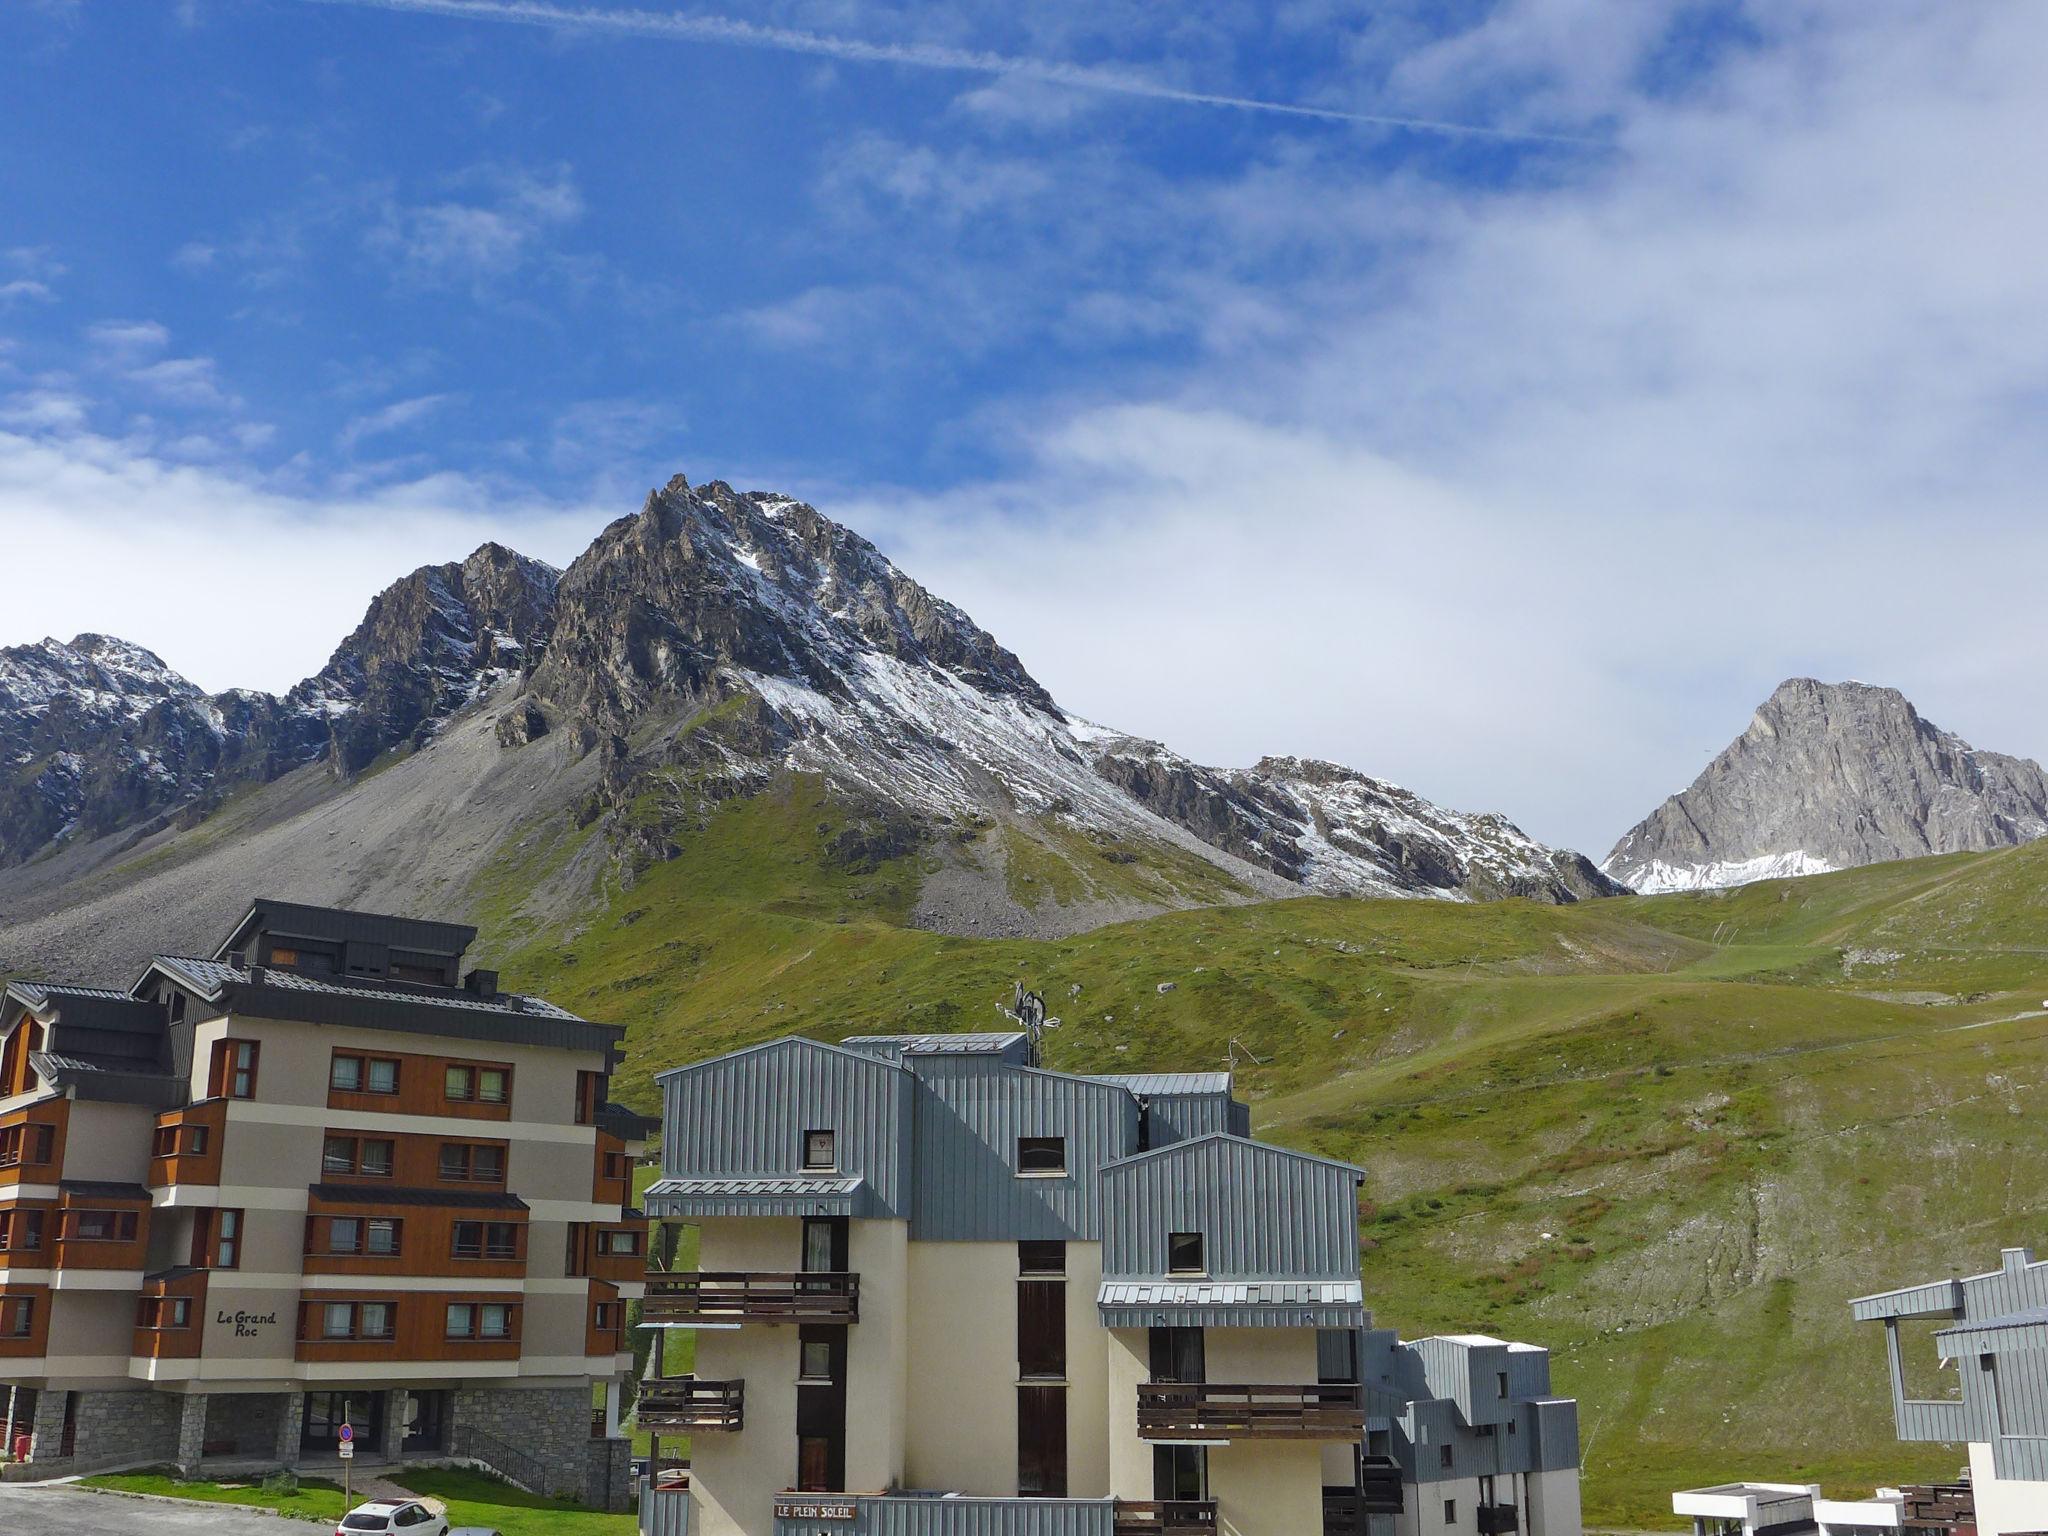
1668	1137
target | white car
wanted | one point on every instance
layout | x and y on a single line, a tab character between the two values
392	1517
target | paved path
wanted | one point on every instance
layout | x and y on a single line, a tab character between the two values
74	1512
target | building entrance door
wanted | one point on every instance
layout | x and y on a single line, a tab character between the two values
326	1412
426	1422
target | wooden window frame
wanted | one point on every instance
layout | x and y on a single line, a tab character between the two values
29	1145
365	1061
589	1096
125	1224
224	1080
472	1091
357	1168
31	1224
470	1151
475	1333
483	1251
318	1310
22	1311
215	1239
150	1316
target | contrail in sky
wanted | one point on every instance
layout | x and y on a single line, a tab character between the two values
1087	77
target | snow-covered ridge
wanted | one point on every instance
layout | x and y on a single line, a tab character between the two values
1659	878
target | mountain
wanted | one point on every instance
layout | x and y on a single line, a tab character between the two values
1831	776
702	650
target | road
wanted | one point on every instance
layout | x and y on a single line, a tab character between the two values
72	1512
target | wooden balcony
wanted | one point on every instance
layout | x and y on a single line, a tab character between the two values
1177	1517
1497	1519
685	1405
187	1145
751	1296
1939	1507
1234	1411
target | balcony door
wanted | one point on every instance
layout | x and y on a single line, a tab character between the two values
824	1250
1178	1355
1180	1473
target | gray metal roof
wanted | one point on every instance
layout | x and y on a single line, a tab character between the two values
2031	1317
103	1189
759	1195
971	1043
1232	1304
1150	1083
341	924
111	1083
35	993
274	993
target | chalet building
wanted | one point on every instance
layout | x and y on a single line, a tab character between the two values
941	1291
321	1174
1981	1380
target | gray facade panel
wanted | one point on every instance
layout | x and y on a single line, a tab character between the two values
747	1114
1171	1117
1263	1213
971	1112
911	1516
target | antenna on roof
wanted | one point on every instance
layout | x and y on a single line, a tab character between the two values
1237	1045
1027	1010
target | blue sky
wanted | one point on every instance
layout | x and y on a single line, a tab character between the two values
1513	454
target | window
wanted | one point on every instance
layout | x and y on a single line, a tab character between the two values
814	1360
464	1163
1450	1511
21	1231
820	1149
17	1317
346	1073
353	1156
380	1235
344	1234
1041	1258
604	1317
1443	1457
283	954
363	1074
478	1085
589	1095
338	1320
1178	1354
486	1240
619	1242
1503	1385
27	1144
358	1320
234	1069
479	1320
227	1239
164	1312
102	1226
617	1165
1042	1442
1184	1254
180	1141
1044	1155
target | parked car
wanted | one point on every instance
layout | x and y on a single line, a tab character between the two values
392	1517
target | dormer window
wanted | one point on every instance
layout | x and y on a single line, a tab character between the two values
1042	1156
1184	1255
821	1151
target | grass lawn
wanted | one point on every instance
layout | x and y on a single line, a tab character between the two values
314	1500
474	1499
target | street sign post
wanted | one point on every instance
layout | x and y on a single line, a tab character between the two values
346	1439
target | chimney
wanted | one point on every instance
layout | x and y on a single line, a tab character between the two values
482	983
236	958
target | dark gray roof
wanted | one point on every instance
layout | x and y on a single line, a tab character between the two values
175	1272
377	1194
101	1189
110	1082
340	925
365	1003
625	1124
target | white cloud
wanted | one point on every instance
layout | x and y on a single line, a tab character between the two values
154	531
128	336
473	240
395	417
190	381
26	288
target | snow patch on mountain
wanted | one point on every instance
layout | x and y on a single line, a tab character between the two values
1656	878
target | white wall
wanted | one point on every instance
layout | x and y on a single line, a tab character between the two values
2004	1505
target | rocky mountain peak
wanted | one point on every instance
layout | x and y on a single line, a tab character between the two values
1831	776
707	587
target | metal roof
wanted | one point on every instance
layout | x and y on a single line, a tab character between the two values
2031	1317
971	1043
271	992
113	1083
1168	1082
102	1189
759	1195
342	924
35	992
1232	1304
378	1194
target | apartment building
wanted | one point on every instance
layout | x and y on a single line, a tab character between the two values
322	1174
940	1289
1969	1365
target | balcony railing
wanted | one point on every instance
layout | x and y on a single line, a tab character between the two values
1177	1517
1497	1519
751	1296
1234	1411
1379	1485
685	1405
1939	1507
